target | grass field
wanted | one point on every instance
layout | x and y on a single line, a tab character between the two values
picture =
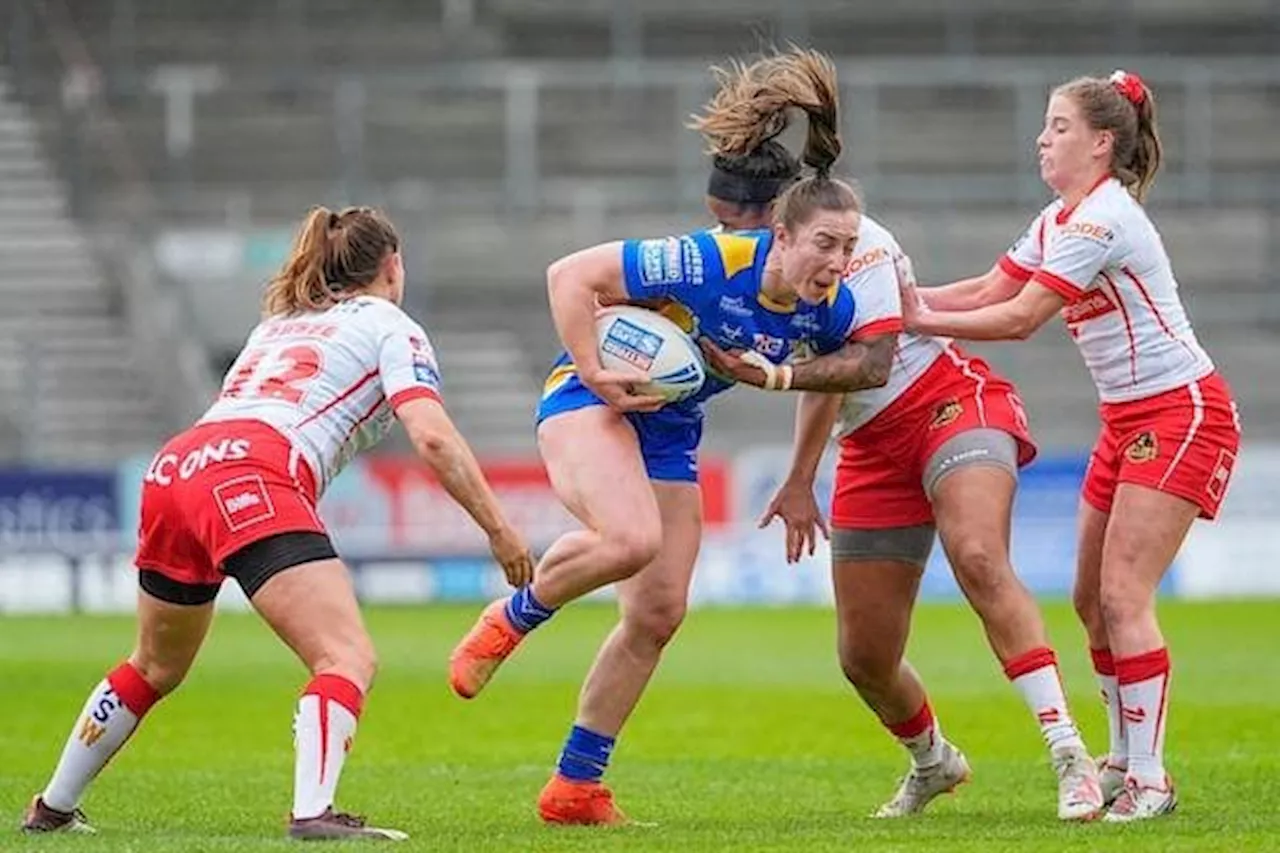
748	740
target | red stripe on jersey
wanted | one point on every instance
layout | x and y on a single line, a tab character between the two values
360	383
1128	327
1013	269
1040	237
1068	290
884	326
399	398
1146	297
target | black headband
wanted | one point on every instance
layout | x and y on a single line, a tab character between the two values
727	186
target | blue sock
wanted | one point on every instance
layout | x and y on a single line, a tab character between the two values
585	755
525	611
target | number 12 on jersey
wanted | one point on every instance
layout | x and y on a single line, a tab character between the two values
270	373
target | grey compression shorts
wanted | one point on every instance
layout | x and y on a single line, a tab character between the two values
912	544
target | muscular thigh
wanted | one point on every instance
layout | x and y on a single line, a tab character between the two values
595	466
876	577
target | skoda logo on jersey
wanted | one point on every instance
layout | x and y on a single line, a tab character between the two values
631	343
735	306
768	344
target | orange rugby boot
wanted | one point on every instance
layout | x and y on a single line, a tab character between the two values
490	641
564	801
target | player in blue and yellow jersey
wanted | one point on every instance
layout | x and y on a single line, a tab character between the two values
628	469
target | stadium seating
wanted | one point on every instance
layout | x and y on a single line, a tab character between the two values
943	146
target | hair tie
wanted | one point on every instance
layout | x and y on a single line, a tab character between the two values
1130	86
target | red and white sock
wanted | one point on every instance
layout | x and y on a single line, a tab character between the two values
1035	675
113	711
323	730
922	736
1105	668
1144	701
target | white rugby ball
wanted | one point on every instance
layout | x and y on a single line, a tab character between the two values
631	336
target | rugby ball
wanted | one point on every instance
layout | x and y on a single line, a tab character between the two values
630	336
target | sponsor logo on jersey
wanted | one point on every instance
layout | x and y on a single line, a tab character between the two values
946	413
670	260
425	371
1142	449
1092	305
168	465
735	306
632	344
1217	485
732	333
866	260
1089	231
768	344
243	501
806	321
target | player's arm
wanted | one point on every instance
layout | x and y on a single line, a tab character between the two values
577	285
450	457
998	284
1075	259
410	378
794	501
856	366
1013	320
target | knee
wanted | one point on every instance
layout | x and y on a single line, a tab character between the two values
630	549
354	658
1086	600
1121	601
866	668
983	569
656	622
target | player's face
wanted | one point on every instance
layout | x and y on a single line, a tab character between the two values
1070	151
816	253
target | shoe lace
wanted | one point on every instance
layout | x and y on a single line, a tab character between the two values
351	820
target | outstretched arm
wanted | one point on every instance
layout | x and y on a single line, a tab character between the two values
1014	319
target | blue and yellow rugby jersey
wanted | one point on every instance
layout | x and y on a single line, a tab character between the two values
709	283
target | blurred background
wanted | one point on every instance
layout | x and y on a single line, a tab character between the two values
155	156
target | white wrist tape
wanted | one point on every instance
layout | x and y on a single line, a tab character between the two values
775	378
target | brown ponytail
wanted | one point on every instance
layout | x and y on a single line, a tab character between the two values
333	255
750	108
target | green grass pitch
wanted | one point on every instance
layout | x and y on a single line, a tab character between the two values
748	739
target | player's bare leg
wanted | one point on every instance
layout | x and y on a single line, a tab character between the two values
652	605
593	459
973	506
1113	765
1146	529
312	608
874	600
169	637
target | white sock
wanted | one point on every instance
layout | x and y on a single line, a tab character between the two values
1035	675
112	712
1104	666
1144	701
922	737
323	730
